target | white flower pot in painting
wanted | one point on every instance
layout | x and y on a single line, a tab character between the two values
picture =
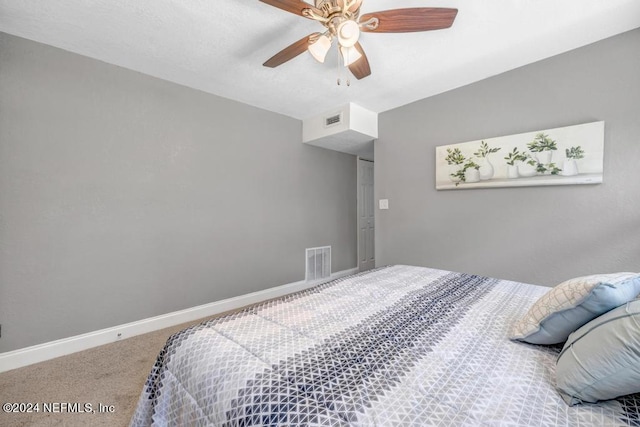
526	170
569	168
472	175
512	171
544	157
486	169
453	169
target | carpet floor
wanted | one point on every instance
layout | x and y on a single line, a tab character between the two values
111	375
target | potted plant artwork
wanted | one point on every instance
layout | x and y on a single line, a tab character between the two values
528	165
471	171
549	168
462	169
561	156
542	146
486	168
570	167
468	173
511	158
455	159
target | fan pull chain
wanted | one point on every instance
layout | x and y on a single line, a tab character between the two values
346	61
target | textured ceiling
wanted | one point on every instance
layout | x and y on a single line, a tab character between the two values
218	46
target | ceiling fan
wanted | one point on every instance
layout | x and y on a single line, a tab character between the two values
343	22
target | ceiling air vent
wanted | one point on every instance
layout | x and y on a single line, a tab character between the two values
332	120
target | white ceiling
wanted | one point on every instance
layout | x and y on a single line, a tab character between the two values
218	46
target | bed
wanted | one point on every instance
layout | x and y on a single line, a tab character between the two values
395	346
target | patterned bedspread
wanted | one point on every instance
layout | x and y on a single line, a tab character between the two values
396	346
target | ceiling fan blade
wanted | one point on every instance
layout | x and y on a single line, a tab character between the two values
360	69
290	51
410	19
293	6
355	6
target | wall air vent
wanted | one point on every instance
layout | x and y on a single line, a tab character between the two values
318	263
333	120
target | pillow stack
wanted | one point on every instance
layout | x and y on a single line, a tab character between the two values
599	322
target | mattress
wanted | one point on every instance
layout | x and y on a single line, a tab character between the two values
396	346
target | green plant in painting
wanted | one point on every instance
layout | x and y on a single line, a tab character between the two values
550	167
575	153
515	156
528	159
454	156
542	142
470	164
484	150
461	173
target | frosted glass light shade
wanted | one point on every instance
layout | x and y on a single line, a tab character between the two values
348	33
350	55
320	48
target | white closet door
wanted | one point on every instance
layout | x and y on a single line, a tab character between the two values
366	216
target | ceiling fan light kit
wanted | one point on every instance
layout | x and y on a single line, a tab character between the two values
350	55
319	48
343	22
348	33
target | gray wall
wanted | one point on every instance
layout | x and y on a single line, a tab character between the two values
124	196
537	235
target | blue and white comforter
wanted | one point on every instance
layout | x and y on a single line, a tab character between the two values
397	346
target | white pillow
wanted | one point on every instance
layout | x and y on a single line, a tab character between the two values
573	303
601	360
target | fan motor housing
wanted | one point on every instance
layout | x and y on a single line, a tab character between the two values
328	6
332	10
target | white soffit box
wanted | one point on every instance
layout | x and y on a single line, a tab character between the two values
349	129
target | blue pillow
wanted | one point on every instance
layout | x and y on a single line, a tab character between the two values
601	360
573	303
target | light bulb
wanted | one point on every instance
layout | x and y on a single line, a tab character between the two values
348	33
320	48
350	55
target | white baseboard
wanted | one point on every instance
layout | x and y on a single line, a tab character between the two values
50	350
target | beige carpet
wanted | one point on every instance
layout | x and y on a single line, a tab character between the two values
112	374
